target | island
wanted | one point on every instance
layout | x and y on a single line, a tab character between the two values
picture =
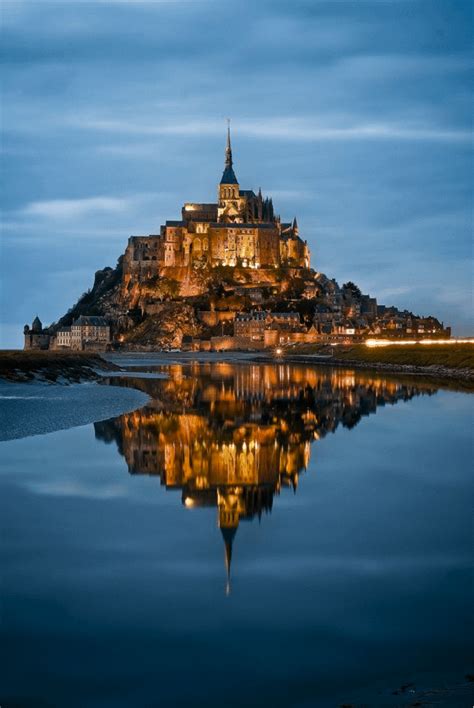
228	275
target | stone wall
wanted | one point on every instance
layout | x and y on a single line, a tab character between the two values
36	341
221	344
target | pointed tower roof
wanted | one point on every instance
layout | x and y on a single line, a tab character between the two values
37	325
228	176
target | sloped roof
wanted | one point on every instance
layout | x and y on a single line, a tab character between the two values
247	193
90	320
228	176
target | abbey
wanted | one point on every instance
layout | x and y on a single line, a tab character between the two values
228	275
239	230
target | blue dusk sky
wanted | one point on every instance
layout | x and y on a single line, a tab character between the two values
355	117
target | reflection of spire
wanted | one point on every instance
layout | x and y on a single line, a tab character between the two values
228	535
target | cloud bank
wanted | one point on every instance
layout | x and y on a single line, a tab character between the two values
356	115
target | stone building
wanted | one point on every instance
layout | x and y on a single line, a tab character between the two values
90	333
259	330
249	327
63	338
36	337
239	230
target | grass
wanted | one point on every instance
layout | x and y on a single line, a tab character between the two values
22	365
452	356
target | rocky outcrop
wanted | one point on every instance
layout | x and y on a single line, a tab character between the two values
165	328
103	299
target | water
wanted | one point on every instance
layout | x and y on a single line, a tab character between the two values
254	535
38	408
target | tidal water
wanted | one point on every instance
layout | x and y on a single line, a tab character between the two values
254	535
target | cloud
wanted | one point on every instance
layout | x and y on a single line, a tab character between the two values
392	292
292	128
87	206
68	208
362	126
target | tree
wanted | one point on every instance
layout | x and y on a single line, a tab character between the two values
167	287
353	289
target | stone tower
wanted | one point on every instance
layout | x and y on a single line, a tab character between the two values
230	203
36	337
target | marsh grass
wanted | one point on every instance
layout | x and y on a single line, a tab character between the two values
25	365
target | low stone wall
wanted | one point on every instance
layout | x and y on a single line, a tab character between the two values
204	345
273	337
248	344
221	344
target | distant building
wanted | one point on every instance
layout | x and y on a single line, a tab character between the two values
368	307
36	337
249	327
258	329
63	338
89	332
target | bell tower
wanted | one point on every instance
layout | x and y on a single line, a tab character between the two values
229	207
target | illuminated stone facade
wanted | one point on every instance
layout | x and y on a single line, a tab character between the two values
240	230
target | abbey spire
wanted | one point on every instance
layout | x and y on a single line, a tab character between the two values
228	176
228	149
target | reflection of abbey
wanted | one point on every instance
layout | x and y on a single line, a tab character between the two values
240	229
232	436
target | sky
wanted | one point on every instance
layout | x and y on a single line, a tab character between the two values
354	116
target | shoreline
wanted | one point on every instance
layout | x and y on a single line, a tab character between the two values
39	409
463	377
49	367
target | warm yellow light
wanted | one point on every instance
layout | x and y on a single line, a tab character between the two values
279	351
390	342
189	502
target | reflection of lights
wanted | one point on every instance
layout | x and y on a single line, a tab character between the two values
390	342
189	502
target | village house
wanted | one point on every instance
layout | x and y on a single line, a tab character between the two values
89	332
264	329
63	338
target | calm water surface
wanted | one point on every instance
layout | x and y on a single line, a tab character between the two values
255	535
